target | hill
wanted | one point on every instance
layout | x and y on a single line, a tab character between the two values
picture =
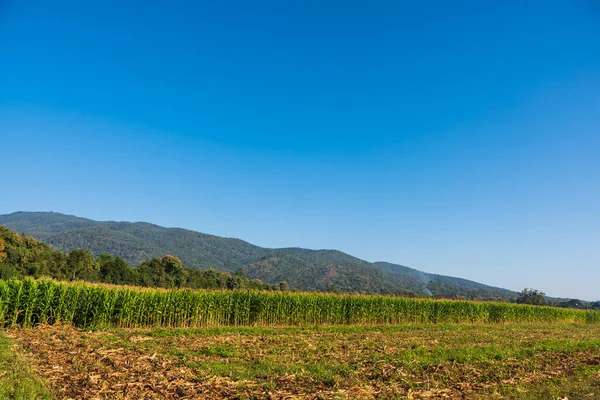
444	285
324	270
24	256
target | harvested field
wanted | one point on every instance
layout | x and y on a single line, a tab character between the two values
327	362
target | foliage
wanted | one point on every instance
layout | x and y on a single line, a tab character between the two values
573	303
325	273
17	380
3	254
30	302
25	256
322	270
450	291
81	263
532	296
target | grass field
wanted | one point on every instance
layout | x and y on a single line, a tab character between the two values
17	380
540	361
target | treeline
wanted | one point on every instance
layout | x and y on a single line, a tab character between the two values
538	298
22	256
575	303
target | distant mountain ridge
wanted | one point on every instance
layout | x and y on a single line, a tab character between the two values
322	270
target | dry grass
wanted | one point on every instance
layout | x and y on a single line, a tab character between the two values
427	362
78	365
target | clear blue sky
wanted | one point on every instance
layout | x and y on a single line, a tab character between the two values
460	138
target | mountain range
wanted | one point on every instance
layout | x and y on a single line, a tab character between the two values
305	269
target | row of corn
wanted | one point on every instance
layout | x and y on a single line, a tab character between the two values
31	302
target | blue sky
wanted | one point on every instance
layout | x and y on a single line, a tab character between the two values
460	138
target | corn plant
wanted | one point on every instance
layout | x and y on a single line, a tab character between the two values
30	302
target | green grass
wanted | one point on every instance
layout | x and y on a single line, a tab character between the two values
491	361
17	381
513	361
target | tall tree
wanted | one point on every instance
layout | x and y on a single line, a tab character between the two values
81	265
532	296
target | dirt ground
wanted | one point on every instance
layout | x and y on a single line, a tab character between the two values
127	364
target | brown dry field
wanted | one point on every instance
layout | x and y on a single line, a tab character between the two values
345	362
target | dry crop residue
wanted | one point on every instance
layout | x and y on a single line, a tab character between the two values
478	362
77	365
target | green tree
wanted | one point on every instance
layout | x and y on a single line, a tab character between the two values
175	273
114	270
234	282
532	296
152	273
22	256
81	265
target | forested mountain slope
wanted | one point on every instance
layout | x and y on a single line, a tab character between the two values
301	268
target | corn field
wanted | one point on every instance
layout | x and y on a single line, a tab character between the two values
29	302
